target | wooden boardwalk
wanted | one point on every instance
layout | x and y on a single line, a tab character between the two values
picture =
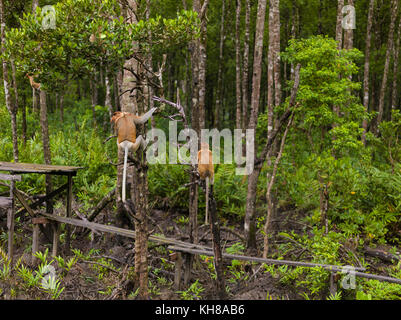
194	249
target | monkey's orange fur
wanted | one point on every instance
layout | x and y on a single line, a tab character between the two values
126	136
205	163
206	172
125	126
34	84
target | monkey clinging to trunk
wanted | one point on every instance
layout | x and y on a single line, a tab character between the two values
125	125
34	84
206	172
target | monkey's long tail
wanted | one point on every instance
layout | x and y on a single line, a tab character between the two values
125	173
207	201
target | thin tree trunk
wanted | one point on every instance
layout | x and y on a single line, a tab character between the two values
35	4
396	51
294	32
116	92
269	189
35	100
46	146
274	88
202	65
367	68
349	33
24	124
193	189
339	26
219	89
277	58
218	257
132	102
61	106
245	66
339	39
94	97
7	88
249	222
238	65
16	108
151	102
390	43
107	101
270	70
257	64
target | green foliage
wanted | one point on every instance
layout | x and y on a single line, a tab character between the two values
326	84
5	263
83	29
166	185
193	292
229	191
324	249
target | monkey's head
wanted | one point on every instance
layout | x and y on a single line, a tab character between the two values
117	116
204	146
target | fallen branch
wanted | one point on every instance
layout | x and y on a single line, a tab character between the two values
381	254
102	204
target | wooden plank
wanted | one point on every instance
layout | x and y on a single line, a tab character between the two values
56	233
91	225
68	214
45	198
210	253
189	259
39	220
178	271
115	230
6	202
25	204
35	242
38	168
10	226
10	177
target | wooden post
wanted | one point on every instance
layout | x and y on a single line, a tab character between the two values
178	271
188	258
68	214
55	227
10	224
333	283
35	242
218	257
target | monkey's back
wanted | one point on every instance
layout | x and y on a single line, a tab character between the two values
205	164
126	129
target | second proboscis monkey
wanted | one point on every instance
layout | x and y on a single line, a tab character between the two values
125	125
34	84
206	172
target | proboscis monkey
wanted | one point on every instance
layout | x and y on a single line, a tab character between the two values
206	172
34	84
125	124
